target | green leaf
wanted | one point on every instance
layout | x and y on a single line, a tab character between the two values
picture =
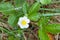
34	17
25	8
12	20
42	34
6	8
13	38
10	38
43	21
45	1
35	7
53	28
19	3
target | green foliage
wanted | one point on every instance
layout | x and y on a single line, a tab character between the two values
25	8
21	8
53	28
34	17
18	3
35	7
12	20
33	10
42	34
11	38
6	8
43	21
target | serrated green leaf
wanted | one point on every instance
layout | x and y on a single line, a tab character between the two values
19	3
25	8
12	20
43	35
34	17
35	7
53	28
6	8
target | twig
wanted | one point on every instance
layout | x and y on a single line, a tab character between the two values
33	34
6	26
56	37
24	37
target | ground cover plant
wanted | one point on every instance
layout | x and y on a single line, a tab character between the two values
26	20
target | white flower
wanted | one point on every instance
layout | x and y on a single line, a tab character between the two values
23	22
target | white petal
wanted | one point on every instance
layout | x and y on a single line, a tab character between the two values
20	19
27	20
21	26
26	26
25	17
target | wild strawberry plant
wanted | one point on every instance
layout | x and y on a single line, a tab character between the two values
21	14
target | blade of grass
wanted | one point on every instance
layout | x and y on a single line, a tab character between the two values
52	10
55	2
7	31
50	14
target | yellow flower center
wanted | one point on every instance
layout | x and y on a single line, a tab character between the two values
24	22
